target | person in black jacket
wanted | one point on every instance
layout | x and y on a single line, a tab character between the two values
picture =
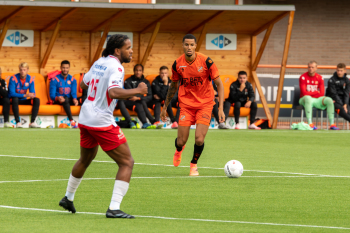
139	103
215	112
339	90
5	102
241	95
160	87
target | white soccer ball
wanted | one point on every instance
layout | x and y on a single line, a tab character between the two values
233	169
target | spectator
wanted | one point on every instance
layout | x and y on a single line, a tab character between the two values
63	90
19	86
242	95
5	102
312	95
160	87
339	90
139	102
222	125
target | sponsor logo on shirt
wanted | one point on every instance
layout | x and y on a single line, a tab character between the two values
120	70
200	69
114	82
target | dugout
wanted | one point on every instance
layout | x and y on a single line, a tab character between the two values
77	31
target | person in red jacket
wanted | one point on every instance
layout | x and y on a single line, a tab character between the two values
312	95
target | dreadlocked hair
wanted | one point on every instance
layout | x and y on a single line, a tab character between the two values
116	41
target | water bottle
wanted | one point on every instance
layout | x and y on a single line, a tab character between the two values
212	123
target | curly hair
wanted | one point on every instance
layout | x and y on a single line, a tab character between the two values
116	41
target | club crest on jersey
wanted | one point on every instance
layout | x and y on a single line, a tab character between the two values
200	69
69	82
308	81
120	69
302	77
183	117
26	84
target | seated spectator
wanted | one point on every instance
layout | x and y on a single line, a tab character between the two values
241	95
21	87
63	90
5	102
222	125
160	87
339	90
138	103
312	95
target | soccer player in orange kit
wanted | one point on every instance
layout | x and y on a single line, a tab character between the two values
194	73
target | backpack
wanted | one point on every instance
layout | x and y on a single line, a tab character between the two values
124	123
263	123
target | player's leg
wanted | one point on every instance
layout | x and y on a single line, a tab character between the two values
15	111
202	126
237	113
36	104
307	103
138	108
5	102
341	111
253	110
155	105
326	103
66	106
147	112
180	142
125	113
88	151
114	143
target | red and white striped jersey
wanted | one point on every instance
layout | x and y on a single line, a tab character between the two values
97	111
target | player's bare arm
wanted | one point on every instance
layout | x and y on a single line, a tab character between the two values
171	92
119	93
83	85
220	88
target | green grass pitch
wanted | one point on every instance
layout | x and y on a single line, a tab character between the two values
293	181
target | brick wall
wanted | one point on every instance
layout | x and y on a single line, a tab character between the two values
321	32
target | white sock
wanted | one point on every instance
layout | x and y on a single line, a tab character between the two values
73	184
119	191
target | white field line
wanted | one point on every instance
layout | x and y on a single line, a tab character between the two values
171	177
185	219
167	165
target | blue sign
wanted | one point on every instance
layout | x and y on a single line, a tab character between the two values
221	41
17	38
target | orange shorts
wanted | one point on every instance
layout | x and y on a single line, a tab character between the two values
190	117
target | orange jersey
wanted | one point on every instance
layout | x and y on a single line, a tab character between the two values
196	89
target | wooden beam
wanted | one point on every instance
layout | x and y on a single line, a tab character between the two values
262	47
201	37
262	97
283	70
13	14
51	43
62	17
253	56
161	19
109	20
206	21
275	20
4	31
150	44
102	41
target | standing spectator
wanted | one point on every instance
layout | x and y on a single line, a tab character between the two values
242	95
160	86
19	86
312	95
5	102
139	102
63	90
221	125
339	90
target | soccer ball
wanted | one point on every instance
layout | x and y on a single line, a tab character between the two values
233	169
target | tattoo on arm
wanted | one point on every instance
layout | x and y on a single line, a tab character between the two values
171	92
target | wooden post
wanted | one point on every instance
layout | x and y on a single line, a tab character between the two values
253	56
283	69
275	20
150	44
3	32
262	47
262	97
51	43
102	41
201	37
13	14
